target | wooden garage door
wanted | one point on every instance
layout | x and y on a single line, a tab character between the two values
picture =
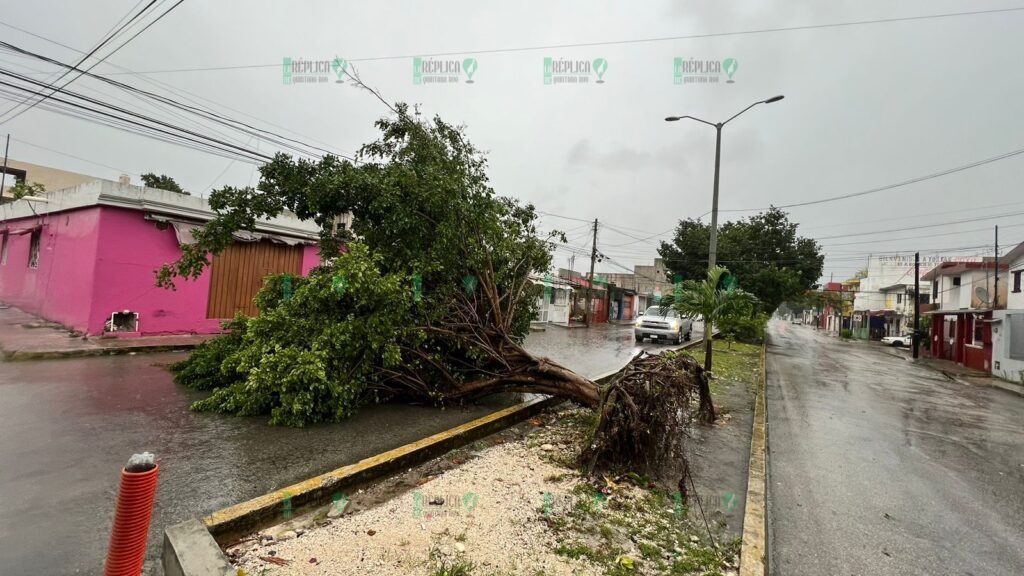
237	274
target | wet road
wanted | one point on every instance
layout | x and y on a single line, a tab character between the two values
878	466
67	427
598	350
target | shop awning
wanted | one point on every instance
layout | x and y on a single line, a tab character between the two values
20	231
184	231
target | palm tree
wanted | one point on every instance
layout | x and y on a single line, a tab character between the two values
705	299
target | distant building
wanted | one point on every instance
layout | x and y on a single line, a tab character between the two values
965	297
18	172
85	257
554	299
876	312
642	288
1008	324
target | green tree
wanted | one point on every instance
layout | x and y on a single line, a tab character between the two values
763	252
23	189
390	315
163	182
715	304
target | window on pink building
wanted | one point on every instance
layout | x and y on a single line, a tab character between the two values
33	249
3	249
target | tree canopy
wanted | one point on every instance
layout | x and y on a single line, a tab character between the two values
428	296
763	252
163	182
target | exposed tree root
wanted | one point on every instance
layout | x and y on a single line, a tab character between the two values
644	414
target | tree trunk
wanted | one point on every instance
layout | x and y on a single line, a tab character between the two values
706	414
532	375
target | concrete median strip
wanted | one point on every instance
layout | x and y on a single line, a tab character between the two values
753	551
201	548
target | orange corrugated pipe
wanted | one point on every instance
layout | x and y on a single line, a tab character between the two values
127	549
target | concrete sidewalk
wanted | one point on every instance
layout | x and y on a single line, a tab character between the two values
27	337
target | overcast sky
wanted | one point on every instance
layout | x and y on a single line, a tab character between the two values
866	106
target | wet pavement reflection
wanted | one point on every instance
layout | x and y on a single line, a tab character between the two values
67	426
888	466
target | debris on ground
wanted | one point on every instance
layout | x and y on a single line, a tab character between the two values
510	507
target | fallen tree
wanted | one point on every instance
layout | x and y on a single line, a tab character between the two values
644	415
427	298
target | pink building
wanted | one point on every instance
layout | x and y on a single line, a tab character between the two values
86	257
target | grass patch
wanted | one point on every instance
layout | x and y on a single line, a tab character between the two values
636	529
741	364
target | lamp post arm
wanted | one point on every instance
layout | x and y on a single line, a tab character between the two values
741	112
698	120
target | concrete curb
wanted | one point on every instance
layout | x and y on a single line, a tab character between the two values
188	551
251	515
23	355
754	550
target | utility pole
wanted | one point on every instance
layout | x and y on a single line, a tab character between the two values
995	299
3	178
590	285
915	340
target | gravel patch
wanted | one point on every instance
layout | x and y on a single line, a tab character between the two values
513	507
489	513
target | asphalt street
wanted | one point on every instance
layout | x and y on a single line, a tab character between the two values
880	466
68	425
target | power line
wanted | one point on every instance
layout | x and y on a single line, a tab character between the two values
107	37
941	173
922	226
109	54
79	158
917	237
619	42
180	92
185	134
280	141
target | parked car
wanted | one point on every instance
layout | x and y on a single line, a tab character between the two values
898	341
659	323
798	321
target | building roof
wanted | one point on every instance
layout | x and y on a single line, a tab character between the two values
957	268
1013	255
155	203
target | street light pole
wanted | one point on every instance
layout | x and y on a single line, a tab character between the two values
713	241
713	244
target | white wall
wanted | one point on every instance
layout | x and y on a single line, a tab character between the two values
1015	300
885	271
1009	368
